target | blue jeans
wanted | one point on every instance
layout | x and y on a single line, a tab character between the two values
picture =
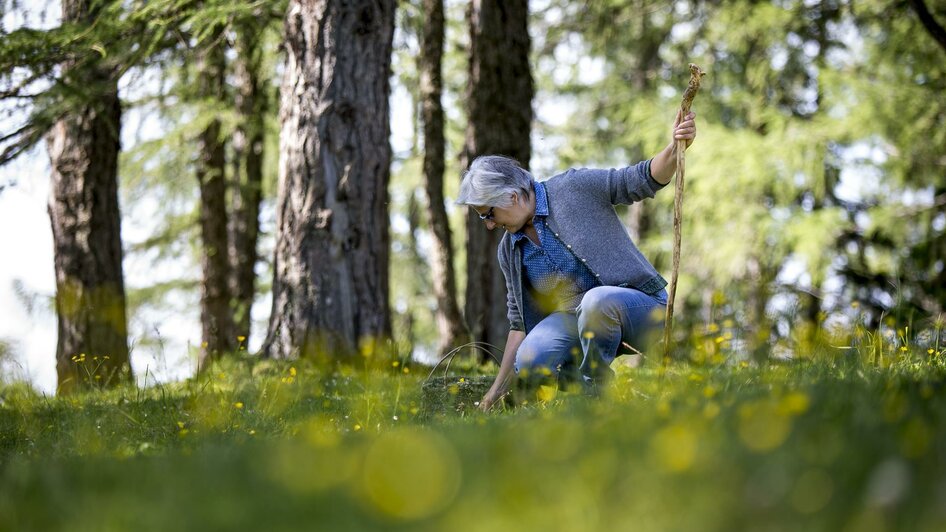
584	344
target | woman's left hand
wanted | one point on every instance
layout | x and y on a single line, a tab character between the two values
685	129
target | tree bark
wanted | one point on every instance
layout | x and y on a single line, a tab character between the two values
330	285
417	264
500	118
216	320
450	327
252	103
92	348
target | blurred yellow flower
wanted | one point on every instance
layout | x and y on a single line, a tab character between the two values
546	393
711	410
674	448
241	338
794	403
663	408
292	371
761	427
417	458
238	405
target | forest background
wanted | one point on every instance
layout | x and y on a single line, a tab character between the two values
816	195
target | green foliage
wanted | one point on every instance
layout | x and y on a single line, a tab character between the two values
794	92
105	41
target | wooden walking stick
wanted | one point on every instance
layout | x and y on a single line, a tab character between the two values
696	76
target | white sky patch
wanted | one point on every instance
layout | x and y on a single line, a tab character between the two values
35	14
402	119
27	243
779	57
860	171
592	69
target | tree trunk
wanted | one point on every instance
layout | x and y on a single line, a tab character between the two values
450	327
330	284
216	320
417	265
251	105
500	118
92	348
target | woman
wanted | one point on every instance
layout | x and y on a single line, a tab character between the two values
577	286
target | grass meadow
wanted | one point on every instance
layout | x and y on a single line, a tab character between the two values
837	440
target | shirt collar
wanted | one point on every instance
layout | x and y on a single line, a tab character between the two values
541	200
541	208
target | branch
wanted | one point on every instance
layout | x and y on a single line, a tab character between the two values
932	27
27	140
16	90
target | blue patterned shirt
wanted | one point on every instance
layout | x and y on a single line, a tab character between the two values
554	275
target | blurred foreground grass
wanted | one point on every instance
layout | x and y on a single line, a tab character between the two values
827	443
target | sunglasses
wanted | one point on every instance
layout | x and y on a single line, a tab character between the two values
488	216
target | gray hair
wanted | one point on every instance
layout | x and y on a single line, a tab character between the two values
492	179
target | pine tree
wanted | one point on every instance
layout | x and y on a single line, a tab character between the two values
500	120
83	146
330	286
449	320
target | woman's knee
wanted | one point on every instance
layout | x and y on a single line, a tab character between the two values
599	305
540	358
531	358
